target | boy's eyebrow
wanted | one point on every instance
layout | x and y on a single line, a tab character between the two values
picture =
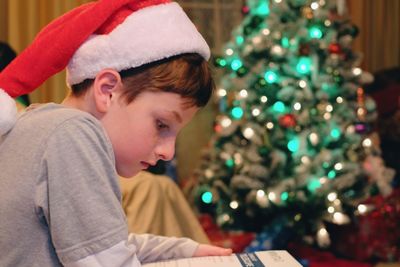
177	116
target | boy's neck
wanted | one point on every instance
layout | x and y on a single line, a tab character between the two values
80	103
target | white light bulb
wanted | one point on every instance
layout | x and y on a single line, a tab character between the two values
234	204
221	92
264	99
248	133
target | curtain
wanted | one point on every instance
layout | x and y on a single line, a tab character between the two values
379	41
20	21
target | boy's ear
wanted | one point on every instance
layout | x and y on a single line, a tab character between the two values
106	83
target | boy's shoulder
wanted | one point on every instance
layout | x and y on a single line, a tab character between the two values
48	117
53	113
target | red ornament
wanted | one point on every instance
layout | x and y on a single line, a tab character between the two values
287	121
334	48
304	50
245	10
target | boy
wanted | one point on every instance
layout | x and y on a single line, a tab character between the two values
138	74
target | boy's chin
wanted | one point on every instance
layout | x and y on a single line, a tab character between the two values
128	173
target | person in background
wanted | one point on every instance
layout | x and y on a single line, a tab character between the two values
154	203
138	73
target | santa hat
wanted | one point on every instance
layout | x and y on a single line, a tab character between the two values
117	34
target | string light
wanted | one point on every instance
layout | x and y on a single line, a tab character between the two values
338	166
207	197
327	116
266	31
243	93
302	84
305	160
367	142
271	76
255	112
234	204
269	125
332	196
279	107
229	51
256	40
327	23
284	196
314	138
362	208
304	65
237	112
263	99
261	198
209	173
248	133
226	122
357	71
314	5
293	145
272	196
315	32
221	92
236	64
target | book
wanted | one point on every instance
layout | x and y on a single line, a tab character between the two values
270	258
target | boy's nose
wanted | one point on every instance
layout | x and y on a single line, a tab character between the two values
166	150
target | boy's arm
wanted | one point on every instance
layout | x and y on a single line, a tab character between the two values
148	248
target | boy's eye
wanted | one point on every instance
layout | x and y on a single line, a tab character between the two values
161	125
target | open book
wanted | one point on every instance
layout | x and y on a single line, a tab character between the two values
270	258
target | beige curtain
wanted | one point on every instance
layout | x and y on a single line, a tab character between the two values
20	21
379	41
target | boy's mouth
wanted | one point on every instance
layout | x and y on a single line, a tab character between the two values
145	165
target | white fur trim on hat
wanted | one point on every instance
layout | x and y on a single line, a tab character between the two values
147	35
8	112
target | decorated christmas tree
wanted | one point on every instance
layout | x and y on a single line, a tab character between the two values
293	148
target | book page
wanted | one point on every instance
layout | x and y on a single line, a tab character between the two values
272	258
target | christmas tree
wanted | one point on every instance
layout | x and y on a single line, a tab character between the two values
293	148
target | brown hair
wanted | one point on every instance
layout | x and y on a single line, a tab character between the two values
187	75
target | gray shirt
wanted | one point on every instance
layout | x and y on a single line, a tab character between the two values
59	191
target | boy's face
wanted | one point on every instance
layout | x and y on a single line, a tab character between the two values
145	130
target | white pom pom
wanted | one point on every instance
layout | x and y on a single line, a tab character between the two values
8	112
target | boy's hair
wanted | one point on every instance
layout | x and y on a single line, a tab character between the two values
188	75
7	54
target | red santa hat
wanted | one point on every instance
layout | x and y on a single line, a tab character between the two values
117	34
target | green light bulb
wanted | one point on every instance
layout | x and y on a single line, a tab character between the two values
236	64
293	145
239	40
222	62
207	197
331	174
271	76
315	32
313	185
304	65
230	163
237	113
335	133
284	196
279	107
263	8
285	42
